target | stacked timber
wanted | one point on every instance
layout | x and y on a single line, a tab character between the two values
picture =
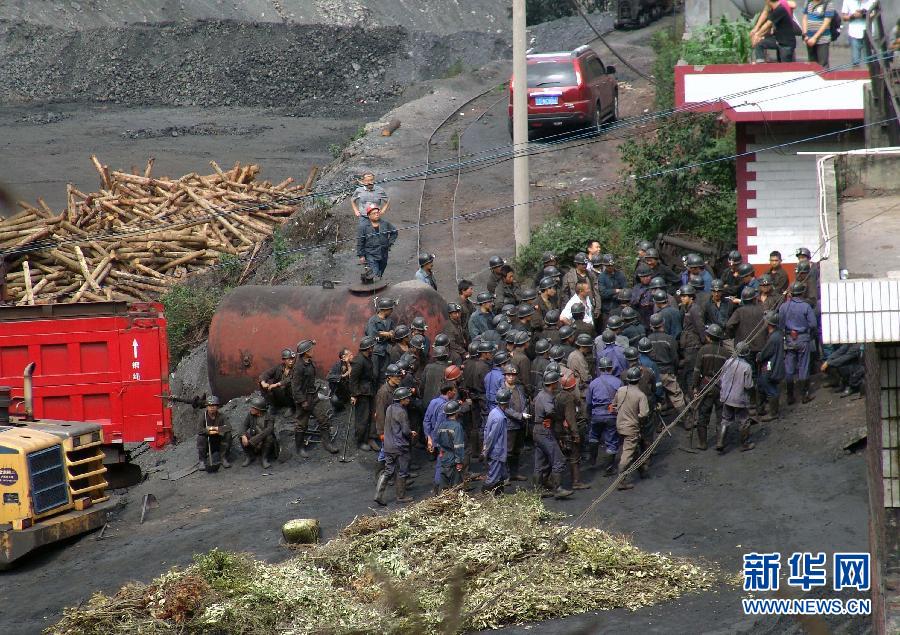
139	234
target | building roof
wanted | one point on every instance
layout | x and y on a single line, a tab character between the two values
797	91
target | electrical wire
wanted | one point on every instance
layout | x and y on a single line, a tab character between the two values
290	200
485	212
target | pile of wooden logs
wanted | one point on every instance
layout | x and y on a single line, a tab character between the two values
139	234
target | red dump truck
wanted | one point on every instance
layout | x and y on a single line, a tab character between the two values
104	362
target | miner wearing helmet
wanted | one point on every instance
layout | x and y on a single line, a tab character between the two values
398	438
275	383
305	395
214	438
549	462
709	362
425	274
632	412
258	438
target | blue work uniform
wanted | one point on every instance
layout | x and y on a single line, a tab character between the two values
616	355
450	441
374	243
705	275
600	395
427	278
495	448
798	321
673	322
397	438
493	381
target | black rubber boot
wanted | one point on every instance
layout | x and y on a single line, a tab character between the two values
576	478
701	438
401	491
791	394
774	409
300	444
556	484
593	451
608	464
248	458
381	484
723	437
806	395
325	435
763	405
745	440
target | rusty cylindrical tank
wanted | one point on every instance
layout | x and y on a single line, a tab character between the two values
254	323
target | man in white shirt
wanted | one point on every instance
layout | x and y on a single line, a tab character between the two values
582	296
853	14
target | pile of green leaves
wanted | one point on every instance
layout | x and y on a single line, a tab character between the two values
451	562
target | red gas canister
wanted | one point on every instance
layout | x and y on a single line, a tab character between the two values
254	323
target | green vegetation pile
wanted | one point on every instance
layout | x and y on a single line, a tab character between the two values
447	564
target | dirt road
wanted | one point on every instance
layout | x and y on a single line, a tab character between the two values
797	491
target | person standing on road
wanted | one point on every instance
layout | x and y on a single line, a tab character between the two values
495	264
456	332
367	195
734	387
450	443
362	382
571	426
600	395
373	243
549	462
771	369
425	275
517	419
303	389
578	274
777	273
398	438
709	362
258	438
632	412
798	321
610	282
384	397
214	438
495	447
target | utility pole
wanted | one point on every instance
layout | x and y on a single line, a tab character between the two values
521	213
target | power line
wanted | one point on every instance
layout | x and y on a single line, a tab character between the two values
476	214
474	165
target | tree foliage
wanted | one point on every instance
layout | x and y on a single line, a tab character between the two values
701	199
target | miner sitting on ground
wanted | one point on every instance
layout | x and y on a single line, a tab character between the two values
214	438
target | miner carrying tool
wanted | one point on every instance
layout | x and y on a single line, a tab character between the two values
214	438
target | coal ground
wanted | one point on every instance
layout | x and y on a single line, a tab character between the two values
797	491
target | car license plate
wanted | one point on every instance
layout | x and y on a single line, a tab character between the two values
546	100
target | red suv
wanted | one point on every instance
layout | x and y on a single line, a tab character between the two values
571	89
